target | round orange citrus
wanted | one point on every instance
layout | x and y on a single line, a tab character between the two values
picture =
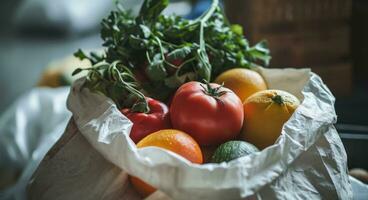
265	113
172	140
243	82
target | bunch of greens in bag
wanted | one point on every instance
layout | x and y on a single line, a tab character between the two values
153	54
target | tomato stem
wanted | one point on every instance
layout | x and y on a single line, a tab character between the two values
278	99
213	91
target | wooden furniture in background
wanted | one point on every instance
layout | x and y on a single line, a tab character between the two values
360	41
301	33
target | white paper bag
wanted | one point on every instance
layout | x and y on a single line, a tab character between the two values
308	161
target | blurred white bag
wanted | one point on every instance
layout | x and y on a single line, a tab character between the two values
28	129
308	161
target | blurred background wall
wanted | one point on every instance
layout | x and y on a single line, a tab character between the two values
309	33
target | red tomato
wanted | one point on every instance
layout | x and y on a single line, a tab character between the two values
177	62
147	123
174	61
211	114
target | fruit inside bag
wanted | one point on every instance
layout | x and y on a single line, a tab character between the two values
308	157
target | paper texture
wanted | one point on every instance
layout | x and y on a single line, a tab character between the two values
308	161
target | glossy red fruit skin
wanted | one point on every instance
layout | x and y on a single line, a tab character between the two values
209	120
146	123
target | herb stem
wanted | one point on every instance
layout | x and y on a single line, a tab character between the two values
134	91
205	16
202	44
209	13
187	61
169	43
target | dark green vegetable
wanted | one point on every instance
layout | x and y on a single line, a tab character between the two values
167	51
232	150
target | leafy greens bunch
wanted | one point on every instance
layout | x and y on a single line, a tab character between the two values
153	54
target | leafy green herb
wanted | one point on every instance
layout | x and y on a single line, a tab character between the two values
94	57
154	54
151	9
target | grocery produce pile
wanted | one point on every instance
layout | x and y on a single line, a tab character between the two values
187	84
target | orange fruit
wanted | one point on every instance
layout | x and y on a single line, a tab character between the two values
243	82
265	113
142	187
172	140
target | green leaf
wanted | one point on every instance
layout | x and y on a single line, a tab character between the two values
151	9
156	70
180	53
137	43
145	30
80	54
158	90
262	46
94	58
260	52
77	71
139	106
176	81
263	57
237	29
